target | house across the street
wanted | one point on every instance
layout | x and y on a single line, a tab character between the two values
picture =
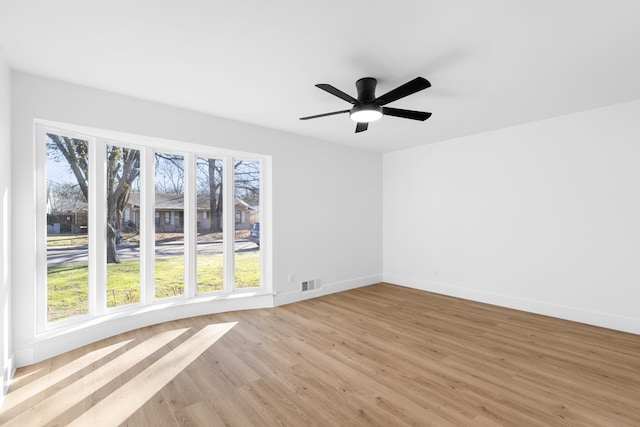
169	215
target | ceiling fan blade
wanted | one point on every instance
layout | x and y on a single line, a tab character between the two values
406	114
415	85
324	115
337	92
361	127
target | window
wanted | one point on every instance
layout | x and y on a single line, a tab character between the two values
247	184
67	195
169	240
131	222
123	243
209	255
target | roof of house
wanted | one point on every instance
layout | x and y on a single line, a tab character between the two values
172	201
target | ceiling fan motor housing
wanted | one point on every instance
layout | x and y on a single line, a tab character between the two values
366	87
367	110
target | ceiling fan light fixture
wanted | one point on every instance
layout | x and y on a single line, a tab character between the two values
367	107
365	113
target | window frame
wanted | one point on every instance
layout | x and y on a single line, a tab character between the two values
98	140
264	184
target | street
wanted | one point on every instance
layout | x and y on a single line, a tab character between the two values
60	255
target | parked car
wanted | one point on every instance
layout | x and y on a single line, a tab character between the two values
254	236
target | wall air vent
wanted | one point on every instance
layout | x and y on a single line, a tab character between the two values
310	285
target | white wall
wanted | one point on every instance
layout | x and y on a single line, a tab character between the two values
543	217
325	198
6	345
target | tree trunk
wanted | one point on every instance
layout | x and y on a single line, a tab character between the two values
118	189
112	254
219	209
112	231
215	203
123	168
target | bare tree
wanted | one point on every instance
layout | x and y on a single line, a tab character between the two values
64	196
210	185
246	175
171	180
123	168
169	173
76	153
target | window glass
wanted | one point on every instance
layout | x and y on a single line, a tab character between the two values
67	195
123	238
247	233
95	212
209	173
169	236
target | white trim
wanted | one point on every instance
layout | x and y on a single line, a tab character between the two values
266	225
160	144
99	313
40	227
288	297
228	225
7	375
97	233
605	320
147	226
60	340
190	221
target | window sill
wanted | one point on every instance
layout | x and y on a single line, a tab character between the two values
90	329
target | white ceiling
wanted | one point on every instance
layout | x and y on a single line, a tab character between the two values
492	63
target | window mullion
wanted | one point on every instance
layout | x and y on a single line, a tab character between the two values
147	226
265	273
97	227
228	220
41	230
198	165
190	221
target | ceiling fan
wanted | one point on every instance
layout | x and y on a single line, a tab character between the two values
367	108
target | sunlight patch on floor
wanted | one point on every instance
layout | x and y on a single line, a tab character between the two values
61	399
125	401
28	391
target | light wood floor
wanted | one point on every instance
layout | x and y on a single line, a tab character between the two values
379	355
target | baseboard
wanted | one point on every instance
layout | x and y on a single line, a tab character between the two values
60	340
576	314
24	357
7	375
288	297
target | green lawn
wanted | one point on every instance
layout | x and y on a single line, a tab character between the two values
68	289
67	239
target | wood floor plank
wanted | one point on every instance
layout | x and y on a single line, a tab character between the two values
200	414
378	355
